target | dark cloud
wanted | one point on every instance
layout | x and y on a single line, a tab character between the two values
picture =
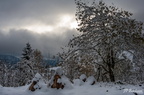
15	41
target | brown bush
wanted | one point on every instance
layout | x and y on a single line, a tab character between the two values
32	86
56	84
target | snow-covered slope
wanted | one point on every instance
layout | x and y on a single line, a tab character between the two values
97	89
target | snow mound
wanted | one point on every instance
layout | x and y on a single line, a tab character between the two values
37	82
84	81
77	82
0	86
59	71
83	77
66	82
39	79
90	80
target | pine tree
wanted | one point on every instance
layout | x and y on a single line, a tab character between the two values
27	51
25	70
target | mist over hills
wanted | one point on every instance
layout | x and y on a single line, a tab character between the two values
12	59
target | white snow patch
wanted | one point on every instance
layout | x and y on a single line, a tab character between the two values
54	68
83	76
40	82
66	82
77	82
97	89
90	80
127	54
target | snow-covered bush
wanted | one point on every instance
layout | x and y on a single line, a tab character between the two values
83	77
65	81
59	80
84	80
37	82
77	82
90	80
59	71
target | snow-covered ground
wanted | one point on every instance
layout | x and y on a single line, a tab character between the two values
85	89
78	87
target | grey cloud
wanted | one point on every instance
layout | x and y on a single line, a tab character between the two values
133	6
20	12
15	41
25	11
14	11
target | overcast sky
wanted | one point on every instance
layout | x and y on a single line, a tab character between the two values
46	24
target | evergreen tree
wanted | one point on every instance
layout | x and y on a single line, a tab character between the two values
30	64
22	73
27	51
25	67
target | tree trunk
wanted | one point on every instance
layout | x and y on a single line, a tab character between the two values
111	75
98	74
111	64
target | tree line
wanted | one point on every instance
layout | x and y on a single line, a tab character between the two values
21	73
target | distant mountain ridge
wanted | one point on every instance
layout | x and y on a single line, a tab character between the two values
51	62
10	59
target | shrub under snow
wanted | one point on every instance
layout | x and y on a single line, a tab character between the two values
90	80
61	80
84	80
37	82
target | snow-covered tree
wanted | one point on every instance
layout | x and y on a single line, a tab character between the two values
25	71
3	71
31	63
5	74
27	51
105	33
38	61
21	73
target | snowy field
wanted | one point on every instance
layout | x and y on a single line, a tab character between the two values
97	89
